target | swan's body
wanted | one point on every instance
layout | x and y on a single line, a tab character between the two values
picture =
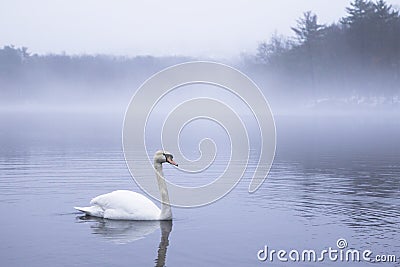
128	205
122	205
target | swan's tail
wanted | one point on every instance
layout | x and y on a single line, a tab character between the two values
95	211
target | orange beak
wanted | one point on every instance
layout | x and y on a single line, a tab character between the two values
170	161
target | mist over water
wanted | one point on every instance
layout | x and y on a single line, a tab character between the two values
336	172
334	176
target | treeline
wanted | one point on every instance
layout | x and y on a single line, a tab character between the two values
23	75
358	55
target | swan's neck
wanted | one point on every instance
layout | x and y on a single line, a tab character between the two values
166	213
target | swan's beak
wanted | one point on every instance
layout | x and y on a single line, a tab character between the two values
170	161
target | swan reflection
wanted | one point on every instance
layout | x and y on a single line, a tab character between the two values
123	232
166	228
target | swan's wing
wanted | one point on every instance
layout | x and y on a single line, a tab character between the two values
126	205
92	211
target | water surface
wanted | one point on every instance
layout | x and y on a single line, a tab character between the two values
330	179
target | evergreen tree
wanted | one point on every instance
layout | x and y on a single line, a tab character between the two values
308	29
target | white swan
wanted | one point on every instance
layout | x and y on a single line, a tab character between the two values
128	205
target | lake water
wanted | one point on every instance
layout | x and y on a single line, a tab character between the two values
332	178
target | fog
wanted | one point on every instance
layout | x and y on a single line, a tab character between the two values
333	90
206	28
349	69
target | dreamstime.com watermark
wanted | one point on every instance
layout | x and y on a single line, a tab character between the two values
340	253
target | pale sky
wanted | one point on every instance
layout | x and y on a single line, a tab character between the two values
211	28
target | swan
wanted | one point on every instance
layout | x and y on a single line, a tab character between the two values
128	205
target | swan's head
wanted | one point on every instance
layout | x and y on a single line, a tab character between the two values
164	156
